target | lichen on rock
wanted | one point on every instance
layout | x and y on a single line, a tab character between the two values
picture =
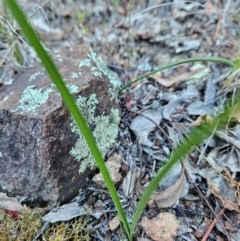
32	98
105	132
113	77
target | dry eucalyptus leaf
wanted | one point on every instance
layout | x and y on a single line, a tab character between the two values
175	100
142	126
197	108
230	140
201	119
65	213
222	189
163	227
129	182
225	202
10	203
169	196
222	157
167	82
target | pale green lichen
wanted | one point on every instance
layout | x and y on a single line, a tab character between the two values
113	77
96	72
105	132
76	75
31	99
73	89
6	97
85	62
8	82
34	76
1	154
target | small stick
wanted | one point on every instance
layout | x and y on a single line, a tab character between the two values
205	236
208	204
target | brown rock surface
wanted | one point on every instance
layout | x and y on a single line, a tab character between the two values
35	133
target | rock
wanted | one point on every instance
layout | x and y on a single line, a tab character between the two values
163	227
113	165
41	149
114	223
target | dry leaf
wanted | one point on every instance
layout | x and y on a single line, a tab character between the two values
226	203
129	182
201	119
163	227
171	195
168	197
65	213
143	126
176	79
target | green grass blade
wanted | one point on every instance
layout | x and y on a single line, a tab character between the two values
232	108
180	152
183	61
70	103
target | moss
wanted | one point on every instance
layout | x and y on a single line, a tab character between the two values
23	228
31	99
26	226
113	77
105	132
74	230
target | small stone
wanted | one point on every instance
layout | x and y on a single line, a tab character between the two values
113	165
163	227
114	223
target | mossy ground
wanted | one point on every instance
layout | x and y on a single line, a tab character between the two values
25	227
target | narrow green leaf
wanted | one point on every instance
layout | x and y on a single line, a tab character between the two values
201	59
194	138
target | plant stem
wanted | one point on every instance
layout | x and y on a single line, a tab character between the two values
202	59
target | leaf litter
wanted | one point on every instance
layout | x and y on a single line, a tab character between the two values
157	113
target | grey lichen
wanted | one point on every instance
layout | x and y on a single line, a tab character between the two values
6	97
113	77
76	75
85	62
32	98
73	89
8	82
96	72
34	76
105	132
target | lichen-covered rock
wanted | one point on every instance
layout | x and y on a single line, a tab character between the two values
42	152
